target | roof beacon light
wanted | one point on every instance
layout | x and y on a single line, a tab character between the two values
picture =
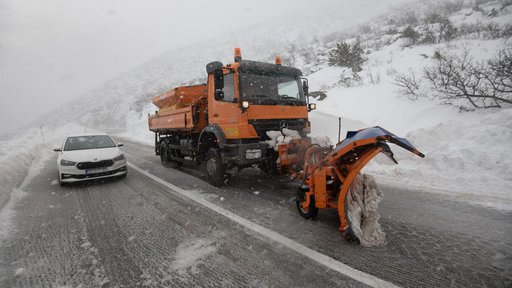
278	60
238	55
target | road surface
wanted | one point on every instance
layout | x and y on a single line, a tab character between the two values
141	232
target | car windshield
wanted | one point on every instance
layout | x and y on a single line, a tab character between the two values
88	142
275	89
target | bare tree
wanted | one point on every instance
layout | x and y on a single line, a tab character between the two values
461	81
409	84
500	68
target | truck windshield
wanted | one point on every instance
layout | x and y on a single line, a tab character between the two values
271	90
88	142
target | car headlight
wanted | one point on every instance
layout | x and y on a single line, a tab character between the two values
67	163
120	157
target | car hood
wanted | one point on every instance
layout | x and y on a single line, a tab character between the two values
91	155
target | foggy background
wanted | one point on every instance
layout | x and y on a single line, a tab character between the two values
54	51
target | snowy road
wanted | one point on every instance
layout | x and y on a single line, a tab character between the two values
137	232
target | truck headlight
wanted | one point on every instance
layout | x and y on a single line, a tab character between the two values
253	154
311	106
67	163
245	104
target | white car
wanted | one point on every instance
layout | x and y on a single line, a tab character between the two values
87	157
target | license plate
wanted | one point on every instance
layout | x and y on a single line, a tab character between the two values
94	171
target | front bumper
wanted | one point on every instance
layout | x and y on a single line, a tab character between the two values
69	174
237	153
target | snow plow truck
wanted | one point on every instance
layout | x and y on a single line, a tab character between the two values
229	122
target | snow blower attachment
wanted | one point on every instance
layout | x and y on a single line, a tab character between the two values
328	173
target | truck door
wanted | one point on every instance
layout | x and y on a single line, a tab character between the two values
225	111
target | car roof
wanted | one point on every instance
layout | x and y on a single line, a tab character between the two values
87	134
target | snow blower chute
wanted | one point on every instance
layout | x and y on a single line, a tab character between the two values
327	173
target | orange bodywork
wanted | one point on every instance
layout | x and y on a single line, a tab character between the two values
178	109
185	95
330	172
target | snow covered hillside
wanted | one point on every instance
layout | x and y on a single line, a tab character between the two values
466	151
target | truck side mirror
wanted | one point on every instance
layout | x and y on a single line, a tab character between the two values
305	87
218	75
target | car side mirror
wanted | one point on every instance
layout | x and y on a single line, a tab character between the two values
120	144
57	149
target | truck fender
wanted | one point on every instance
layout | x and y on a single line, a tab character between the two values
209	130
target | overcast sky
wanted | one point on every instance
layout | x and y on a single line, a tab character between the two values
52	51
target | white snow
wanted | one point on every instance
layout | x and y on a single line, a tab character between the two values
281	137
363	200
189	254
19	272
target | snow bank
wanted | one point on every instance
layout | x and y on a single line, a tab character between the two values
23	156
137	125
468	159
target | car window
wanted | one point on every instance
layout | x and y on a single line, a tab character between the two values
88	142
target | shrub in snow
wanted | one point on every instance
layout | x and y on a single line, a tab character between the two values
346	55
409	84
411	35
438	28
505	3
469	84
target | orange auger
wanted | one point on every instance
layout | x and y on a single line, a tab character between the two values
327	173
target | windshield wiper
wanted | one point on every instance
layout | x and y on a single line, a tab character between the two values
291	98
274	102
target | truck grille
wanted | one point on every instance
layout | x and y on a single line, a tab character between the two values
262	126
92	165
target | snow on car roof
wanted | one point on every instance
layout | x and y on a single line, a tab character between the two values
88	134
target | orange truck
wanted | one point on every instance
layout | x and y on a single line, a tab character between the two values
224	122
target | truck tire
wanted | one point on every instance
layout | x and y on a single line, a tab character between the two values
214	168
164	154
311	212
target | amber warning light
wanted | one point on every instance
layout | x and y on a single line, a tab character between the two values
238	55
278	60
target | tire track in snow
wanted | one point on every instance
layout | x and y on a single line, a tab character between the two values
274	236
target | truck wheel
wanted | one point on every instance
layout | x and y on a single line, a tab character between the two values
164	155
214	167
311	212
